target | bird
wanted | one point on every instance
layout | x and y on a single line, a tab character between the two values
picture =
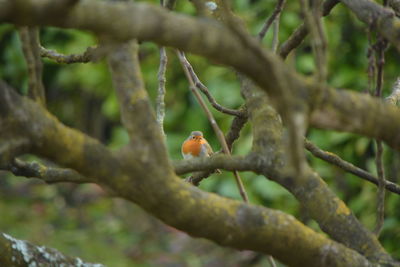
196	146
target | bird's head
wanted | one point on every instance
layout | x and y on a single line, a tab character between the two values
196	135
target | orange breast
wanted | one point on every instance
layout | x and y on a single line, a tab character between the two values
192	147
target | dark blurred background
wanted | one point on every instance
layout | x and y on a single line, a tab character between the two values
81	220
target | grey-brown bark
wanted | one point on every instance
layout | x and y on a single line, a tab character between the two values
142	172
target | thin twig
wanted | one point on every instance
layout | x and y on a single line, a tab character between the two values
275	38
85	57
275	14
301	32
214	124
381	188
379	49
271	261
199	85
160	103
318	41
347	166
379	146
236	126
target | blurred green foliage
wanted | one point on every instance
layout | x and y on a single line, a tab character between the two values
79	220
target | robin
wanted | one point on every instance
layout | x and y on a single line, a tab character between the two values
196	146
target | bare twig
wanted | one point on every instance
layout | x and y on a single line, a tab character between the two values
275	39
318	41
381	188
214	124
88	56
160	103
274	16
30	46
237	125
347	166
271	261
379	49
301	32
199	85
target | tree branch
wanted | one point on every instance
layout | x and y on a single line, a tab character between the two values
347	166
199	85
132	97
132	15
370	116
30	46
375	15
236	126
48	174
149	181
301	32
220	135
160	110
332	215
88	56
394	97
278	9
14	252
219	161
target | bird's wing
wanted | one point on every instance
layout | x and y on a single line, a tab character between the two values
207	149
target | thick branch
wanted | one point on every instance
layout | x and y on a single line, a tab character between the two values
14	252
10	147
370	116
155	188
377	16
127	79
48	174
229	163
210	39
321	203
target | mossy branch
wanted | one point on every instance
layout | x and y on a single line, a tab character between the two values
15	252
142	179
142	21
